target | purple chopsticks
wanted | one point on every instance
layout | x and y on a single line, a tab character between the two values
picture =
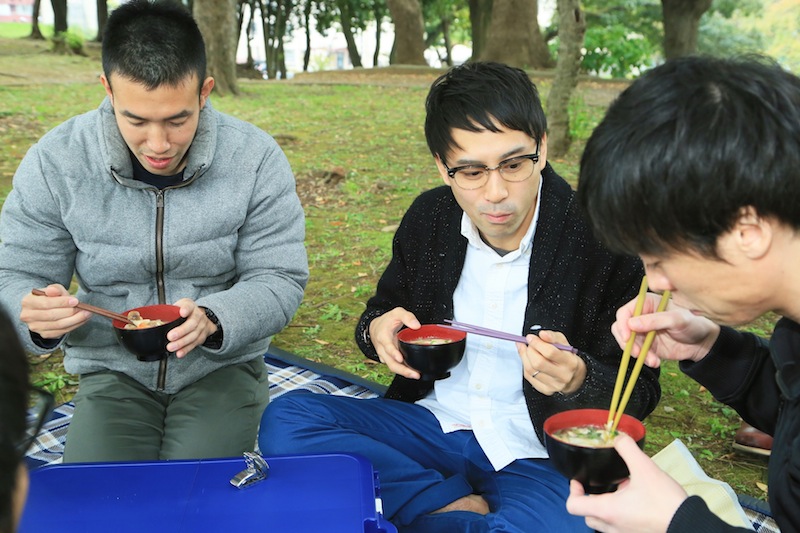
486	332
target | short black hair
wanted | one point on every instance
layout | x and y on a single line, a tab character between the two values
480	96
686	147
154	43
13	413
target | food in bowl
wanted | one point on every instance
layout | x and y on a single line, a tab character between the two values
591	435
141	323
431	341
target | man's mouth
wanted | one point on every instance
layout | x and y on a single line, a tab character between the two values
497	218
158	162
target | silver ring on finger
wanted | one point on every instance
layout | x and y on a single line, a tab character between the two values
533	376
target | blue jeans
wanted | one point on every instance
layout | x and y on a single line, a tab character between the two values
421	468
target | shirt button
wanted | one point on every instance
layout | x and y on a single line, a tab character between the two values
478	386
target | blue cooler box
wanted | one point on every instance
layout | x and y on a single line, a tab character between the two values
312	493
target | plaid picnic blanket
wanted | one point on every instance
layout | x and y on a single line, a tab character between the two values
287	372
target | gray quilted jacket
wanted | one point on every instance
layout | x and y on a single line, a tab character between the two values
230	237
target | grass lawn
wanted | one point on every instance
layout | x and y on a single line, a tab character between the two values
360	158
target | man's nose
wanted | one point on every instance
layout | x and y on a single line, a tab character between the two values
157	140
496	187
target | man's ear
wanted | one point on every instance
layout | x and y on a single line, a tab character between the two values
107	86
543	151
443	171
753	233
205	90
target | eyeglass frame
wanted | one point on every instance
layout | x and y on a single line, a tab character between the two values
451	172
38	422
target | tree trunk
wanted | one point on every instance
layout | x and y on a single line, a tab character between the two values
480	15
102	17
250	62
36	33
307	18
59	16
266	31
572	28
514	36
345	19
448	45
681	25
217	22
378	12
284	8
409	32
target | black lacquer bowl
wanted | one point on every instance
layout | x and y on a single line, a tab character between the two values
599	469
432	350
149	344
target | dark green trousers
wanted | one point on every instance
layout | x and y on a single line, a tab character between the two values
118	419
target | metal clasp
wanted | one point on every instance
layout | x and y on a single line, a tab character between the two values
257	470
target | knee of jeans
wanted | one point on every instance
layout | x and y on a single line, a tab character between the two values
280	423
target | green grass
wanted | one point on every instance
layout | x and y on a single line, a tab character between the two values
16	30
372	135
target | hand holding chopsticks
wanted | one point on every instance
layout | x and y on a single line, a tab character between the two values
618	406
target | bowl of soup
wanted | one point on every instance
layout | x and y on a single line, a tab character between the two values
147	337
581	447
432	350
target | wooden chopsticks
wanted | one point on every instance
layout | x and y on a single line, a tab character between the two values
618	406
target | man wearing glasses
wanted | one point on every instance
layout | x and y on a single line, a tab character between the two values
503	246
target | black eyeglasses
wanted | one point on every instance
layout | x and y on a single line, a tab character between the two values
515	169
40	405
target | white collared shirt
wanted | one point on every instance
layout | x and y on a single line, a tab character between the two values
484	392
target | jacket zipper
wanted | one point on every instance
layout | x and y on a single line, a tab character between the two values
162	366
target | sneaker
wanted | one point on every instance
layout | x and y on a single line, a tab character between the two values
750	440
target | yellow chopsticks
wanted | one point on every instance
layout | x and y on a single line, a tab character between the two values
618	406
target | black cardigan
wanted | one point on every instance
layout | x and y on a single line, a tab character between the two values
575	286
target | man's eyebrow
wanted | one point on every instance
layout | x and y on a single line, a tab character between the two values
511	153
183	114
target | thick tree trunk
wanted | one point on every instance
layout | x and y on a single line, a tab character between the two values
409	32
572	28
514	36
102	17
681	25
217	22
347	30
480	15
59	15
36	33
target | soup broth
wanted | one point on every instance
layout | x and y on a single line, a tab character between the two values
431	341
591	436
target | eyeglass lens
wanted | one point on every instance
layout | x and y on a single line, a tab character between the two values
513	170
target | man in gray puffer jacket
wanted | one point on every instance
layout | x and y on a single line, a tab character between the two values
155	197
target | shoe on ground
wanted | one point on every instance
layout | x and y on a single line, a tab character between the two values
750	440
